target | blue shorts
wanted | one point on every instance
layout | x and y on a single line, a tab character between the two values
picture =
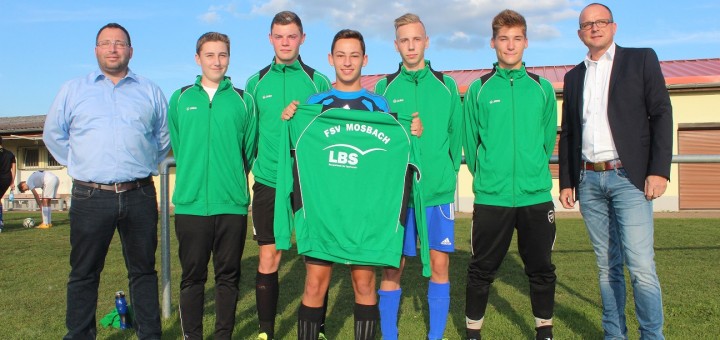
441	229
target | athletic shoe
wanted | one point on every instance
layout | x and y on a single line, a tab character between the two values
44	226
544	333
262	336
473	334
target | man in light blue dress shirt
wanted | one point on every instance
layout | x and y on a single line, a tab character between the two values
110	130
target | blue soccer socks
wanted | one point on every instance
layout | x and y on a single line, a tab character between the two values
389	304
439	305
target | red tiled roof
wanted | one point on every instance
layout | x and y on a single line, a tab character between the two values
677	72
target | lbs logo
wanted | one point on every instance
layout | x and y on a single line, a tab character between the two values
346	155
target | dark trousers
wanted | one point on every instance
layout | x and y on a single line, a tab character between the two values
492	231
223	236
94	216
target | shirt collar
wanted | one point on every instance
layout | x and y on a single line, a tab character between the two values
510	73
225	83
280	67
609	55
417	74
99	75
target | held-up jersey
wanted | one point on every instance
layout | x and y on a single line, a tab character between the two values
349	182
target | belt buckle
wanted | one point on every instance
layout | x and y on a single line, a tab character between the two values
117	191
600	166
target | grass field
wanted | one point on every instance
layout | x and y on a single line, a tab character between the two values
34	267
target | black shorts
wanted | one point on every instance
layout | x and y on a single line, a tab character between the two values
4	185
263	210
317	261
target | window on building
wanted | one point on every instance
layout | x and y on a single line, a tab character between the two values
36	158
31	157
51	160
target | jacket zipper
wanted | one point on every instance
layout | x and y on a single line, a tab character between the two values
207	160
514	139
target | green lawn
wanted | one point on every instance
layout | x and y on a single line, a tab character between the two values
34	267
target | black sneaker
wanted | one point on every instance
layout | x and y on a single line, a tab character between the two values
544	333
473	334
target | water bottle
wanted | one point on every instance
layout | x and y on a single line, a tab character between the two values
122	309
11	198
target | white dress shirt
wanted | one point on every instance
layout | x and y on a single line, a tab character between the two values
597	140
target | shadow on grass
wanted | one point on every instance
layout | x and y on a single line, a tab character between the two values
510	275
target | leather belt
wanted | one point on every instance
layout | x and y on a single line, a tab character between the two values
603	166
117	187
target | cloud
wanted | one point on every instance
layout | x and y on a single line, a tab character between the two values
215	13
71	12
454	24
210	17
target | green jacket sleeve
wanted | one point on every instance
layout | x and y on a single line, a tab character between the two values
381	86
250	141
471	135
173	123
322	82
455	126
420	219
283	208
550	119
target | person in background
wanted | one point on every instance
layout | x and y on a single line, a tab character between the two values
48	182
7	176
110	130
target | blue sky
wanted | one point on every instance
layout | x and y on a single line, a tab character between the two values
45	43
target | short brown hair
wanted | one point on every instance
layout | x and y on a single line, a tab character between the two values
406	19
508	18
286	18
348	34
212	36
20	187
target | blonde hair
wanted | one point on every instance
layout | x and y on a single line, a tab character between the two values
406	19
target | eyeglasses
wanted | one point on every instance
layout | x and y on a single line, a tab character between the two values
116	43
602	23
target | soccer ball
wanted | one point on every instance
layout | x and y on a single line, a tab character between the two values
29	222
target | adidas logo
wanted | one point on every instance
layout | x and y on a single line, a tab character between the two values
446	242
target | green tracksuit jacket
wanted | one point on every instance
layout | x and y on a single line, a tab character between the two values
214	144
435	97
273	88
510	133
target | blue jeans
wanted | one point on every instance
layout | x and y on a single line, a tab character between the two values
619	221
94	216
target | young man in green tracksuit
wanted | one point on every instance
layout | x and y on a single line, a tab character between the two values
285	80
510	131
417	88
213	131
